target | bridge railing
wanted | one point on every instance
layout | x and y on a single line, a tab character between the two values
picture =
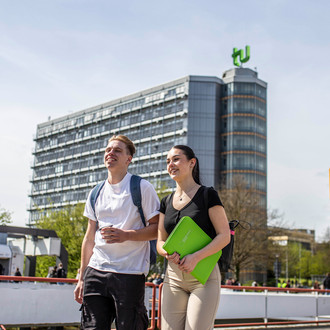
68	308
286	306
275	306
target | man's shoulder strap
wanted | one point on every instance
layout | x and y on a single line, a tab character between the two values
95	194
136	195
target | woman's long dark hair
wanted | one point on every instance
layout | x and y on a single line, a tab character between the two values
190	154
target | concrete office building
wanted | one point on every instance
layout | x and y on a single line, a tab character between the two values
223	120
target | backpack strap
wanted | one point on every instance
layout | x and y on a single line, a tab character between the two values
227	252
137	201
136	195
135	192
95	194
206	197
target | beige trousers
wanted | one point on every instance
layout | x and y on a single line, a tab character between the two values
186	303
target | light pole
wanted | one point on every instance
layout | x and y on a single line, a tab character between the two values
299	262
287	262
277	268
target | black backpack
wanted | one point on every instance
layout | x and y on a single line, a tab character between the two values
227	252
61	273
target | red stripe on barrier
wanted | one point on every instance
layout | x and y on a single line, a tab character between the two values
153	302
36	279
230	325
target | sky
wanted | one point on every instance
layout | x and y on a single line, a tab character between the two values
62	56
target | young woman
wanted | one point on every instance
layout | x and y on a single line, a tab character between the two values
186	303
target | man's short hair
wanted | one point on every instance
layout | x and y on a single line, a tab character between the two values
129	144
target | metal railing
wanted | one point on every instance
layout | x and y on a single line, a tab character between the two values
266	323
16	279
156	306
266	290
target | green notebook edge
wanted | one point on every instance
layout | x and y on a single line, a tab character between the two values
199	272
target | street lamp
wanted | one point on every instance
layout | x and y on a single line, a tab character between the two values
277	268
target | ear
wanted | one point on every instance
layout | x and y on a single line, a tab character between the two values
129	159
192	162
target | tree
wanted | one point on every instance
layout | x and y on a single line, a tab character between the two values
320	263
243	202
70	225
5	217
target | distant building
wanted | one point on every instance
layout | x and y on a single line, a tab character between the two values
223	120
304	237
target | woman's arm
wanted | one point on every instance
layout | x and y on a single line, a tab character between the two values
162	236
219	220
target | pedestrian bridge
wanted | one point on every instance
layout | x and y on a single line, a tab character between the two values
49	301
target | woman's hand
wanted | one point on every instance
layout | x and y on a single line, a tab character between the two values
188	263
174	258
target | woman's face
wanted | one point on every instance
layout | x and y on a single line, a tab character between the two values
178	165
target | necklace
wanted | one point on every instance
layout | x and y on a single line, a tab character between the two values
185	193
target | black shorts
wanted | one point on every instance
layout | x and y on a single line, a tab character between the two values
113	296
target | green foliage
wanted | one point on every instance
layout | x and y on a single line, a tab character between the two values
70	225
162	191
43	264
5	217
320	261
302	263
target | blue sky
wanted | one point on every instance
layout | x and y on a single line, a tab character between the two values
57	57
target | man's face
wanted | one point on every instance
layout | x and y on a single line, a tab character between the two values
116	155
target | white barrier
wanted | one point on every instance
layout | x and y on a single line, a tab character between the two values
276	305
37	303
31	303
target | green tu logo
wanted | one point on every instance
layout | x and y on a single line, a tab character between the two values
240	54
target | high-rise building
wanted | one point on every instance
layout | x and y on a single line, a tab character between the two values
223	120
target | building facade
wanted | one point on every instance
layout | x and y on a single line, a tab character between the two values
223	120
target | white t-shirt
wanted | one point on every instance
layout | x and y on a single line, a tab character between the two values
114	206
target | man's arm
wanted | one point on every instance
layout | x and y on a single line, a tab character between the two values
86	253
116	235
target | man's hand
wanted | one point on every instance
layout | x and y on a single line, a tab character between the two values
114	235
78	292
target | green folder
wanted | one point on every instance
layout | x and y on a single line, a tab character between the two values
186	238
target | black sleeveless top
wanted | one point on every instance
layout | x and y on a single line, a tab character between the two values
196	209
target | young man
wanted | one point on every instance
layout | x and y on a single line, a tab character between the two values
115	249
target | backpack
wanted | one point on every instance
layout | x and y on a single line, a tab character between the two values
61	273
227	252
137	201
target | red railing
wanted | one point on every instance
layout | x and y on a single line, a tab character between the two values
272	289
73	281
36	279
153	306
256	289
154	301
159	321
